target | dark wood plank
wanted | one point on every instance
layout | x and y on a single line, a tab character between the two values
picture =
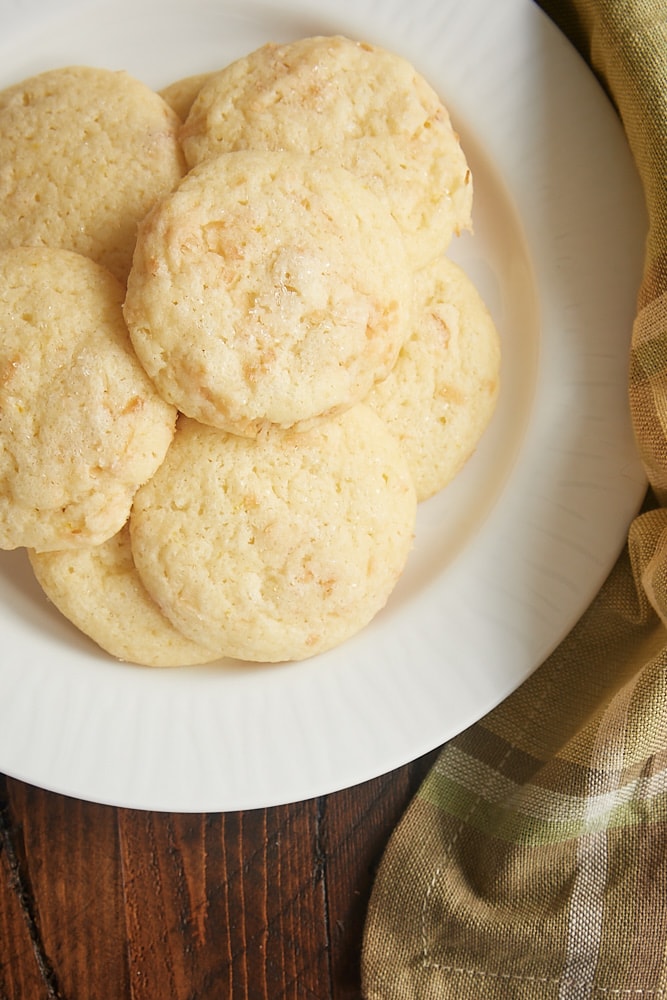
67	861
24	970
227	905
262	905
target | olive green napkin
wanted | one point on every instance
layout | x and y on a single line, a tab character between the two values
533	860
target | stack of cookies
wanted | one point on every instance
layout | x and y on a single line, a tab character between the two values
234	355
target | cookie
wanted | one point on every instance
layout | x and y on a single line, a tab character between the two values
279	547
367	108
98	589
81	425
441	395
180	94
84	154
268	289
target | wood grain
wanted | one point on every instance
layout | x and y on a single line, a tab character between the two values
99	903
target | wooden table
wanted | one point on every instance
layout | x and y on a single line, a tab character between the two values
100	903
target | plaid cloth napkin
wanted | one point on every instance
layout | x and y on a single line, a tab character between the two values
532	862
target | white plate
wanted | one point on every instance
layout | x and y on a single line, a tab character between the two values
507	558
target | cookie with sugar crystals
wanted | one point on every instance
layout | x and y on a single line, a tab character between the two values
268	289
81	425
442	392
98	589
84	154
368	108
278	547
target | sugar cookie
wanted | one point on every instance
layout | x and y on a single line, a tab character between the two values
368	108
84	153
180	94
81	425
268	289
99	590
442	392
278	547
